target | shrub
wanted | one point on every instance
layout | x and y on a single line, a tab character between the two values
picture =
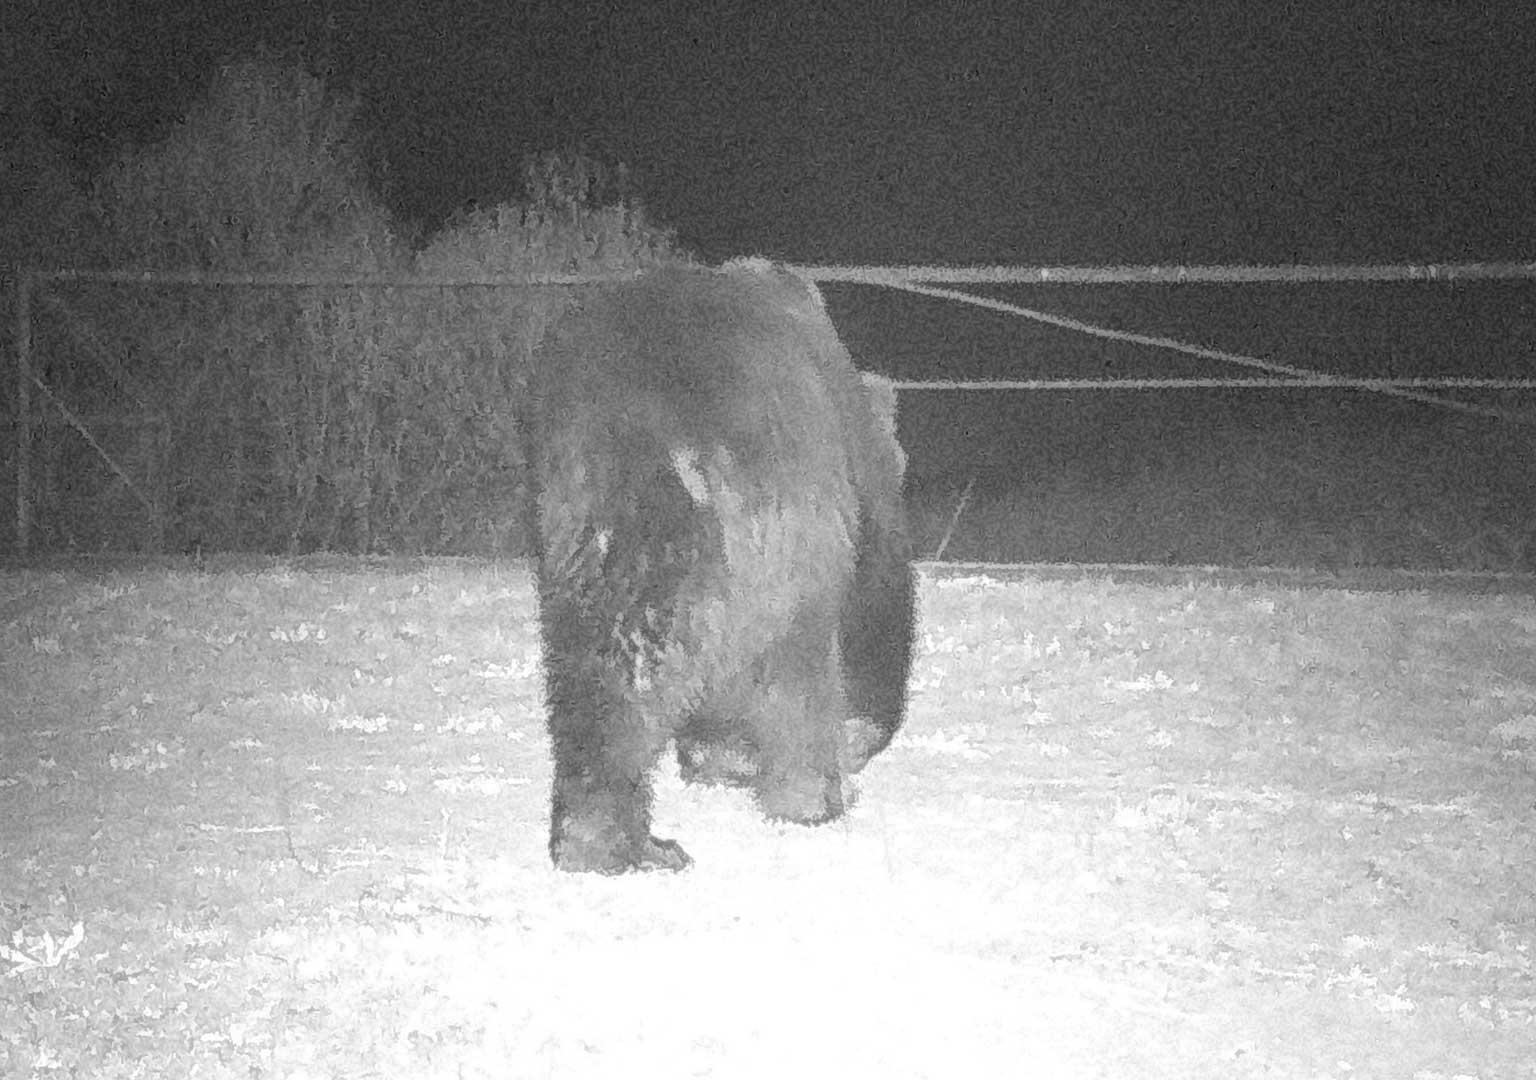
425	454
266	174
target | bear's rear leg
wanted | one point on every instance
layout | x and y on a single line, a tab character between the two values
593	829
797	726
600	819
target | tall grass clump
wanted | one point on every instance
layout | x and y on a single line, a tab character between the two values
267	174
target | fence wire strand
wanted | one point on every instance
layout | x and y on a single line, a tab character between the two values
908	281
919	280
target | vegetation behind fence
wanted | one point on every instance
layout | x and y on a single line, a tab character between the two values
179	414
290	370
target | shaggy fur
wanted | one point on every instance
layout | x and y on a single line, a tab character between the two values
722	554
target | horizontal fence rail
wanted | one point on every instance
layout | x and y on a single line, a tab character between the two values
871	275
320	281
919	280
912	279
1319	381
1165	275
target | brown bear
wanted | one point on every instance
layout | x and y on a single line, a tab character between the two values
722	553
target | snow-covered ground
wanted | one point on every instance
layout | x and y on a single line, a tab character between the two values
1177	829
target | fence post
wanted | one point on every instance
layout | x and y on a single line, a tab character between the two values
23	411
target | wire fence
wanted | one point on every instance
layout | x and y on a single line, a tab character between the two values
31	391
1167	275
918	281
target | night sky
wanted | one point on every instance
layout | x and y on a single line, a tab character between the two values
884	133
890	133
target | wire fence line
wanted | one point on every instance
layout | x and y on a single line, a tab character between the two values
1321	381
866	275
1166	275
918	280
300	280
911	279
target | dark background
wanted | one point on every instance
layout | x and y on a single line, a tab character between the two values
888	133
